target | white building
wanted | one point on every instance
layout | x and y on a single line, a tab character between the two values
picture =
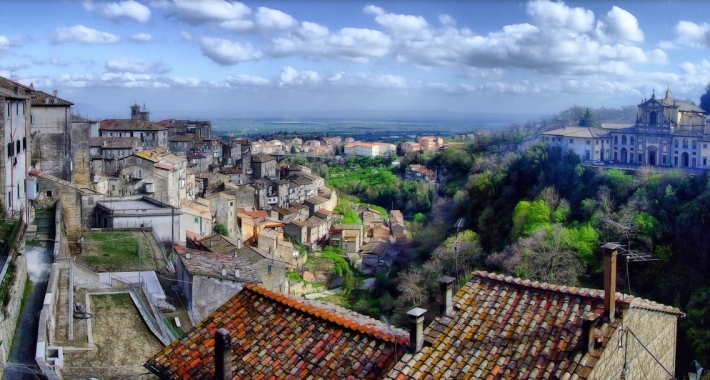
588	143
362	149
14	105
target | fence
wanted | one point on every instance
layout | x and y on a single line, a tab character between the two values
168	263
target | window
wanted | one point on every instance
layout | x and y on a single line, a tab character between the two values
231	203
695	144
616	139
17	108
10	149
9	199
588	142
653	119
18	146
623	140
597	142
49	193
195	220
705	161
675	143
138	161
705	146
32	119
24	144
570	141
7	106
23	108
685	143
631	140
113	187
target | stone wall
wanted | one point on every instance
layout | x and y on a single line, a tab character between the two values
657	331
11	311
52	189
48	153
81	161
210	293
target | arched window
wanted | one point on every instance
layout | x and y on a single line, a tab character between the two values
623	139
685	143
675	143
616	139
695	143
631	140
653	118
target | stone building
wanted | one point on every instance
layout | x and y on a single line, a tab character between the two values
136	212
107	152
224	211
264	167
15	108
667	132
152	135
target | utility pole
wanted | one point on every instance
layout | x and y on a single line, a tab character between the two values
139	259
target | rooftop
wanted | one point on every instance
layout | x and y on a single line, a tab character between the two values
107	142
210	264
130	125
505	327
303	339
263	158
43	99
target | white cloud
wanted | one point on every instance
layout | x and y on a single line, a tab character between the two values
619	24
314	40
4	44
181	82
688	33
447	20
160	4
267	18
51	61
247	80
142	37
367	80
84	35
239	26
130	65
289	76
129	9
200	12
226	52
560	39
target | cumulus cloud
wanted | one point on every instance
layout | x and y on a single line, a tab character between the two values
314	40
142	37
128	9
200	12
619	24
267	18
688	33
130	65
289	77
247	80
367	80
558	39
84	35
447	20
226	52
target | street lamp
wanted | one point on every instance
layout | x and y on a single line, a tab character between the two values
695	372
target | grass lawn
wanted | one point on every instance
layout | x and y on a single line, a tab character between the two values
115	251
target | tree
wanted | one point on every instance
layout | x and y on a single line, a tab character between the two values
587	120
705	99
221	229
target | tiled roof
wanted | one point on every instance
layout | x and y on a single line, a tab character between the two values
183	138
164	166
129	125
276	336
506	328
315	200
43	99
79	119
578	132
264	158
218	243
210	264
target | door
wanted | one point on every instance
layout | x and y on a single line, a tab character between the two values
652	158
685	158
624	156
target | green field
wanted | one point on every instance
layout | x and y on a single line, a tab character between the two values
115	251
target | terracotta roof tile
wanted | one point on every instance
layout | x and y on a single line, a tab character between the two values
505	327
276	336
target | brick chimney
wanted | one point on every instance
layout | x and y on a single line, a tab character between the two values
223	355
446	285
609	250
416	329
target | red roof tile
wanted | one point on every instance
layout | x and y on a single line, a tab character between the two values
276	336
506	327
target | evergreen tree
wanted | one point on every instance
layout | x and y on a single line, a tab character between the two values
705	99
587	120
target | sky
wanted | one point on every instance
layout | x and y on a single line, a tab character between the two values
216	59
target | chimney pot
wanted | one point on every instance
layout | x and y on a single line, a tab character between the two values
187	256
610	250
589	325
416	329
223	355
446	285
239	243
236	273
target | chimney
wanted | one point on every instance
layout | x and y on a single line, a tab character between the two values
223	355
609	250
446	285
224	271
416	329
589	325
55	93
239	243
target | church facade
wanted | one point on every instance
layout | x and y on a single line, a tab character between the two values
667	132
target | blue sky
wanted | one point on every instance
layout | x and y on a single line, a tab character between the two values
230	59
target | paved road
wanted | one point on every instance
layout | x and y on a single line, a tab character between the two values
39	262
